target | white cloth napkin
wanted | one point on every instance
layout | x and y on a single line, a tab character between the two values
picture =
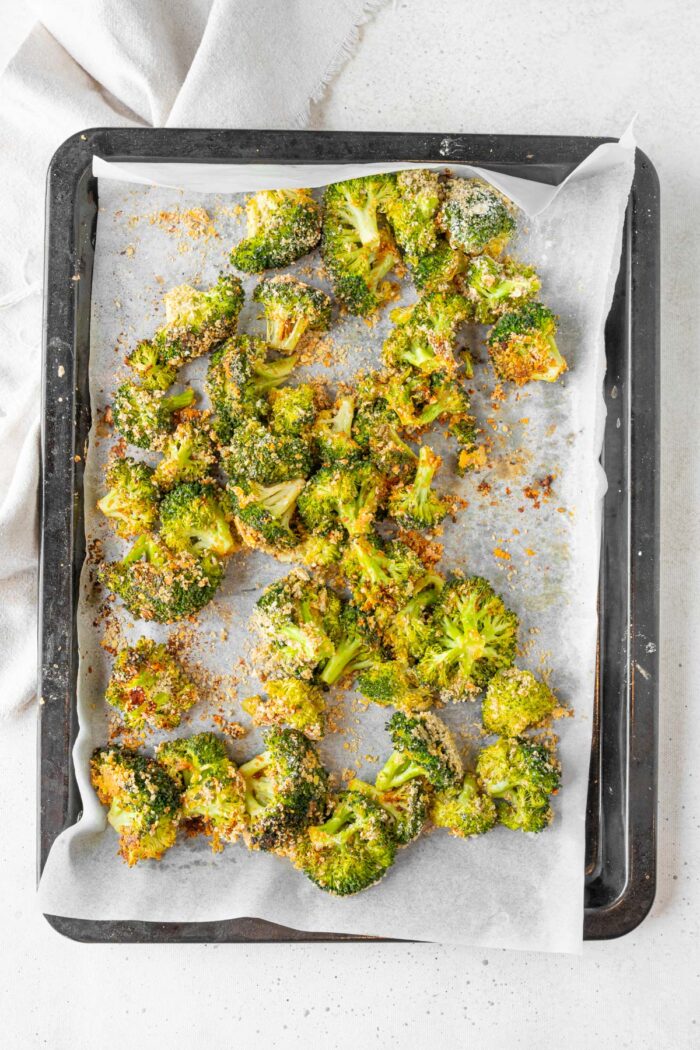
181	63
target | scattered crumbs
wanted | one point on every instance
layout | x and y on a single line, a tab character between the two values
530	553
191	222
233	730
500	553
484	488
61	371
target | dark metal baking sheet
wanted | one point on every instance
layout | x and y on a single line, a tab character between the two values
621	818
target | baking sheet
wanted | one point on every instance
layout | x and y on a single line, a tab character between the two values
506	889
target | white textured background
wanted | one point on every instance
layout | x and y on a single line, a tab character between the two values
521	66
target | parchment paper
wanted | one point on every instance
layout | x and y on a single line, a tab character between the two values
540	549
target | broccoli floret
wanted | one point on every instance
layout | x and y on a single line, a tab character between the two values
145	417
291	308
149	687
473	636
493	288
238	380
407	806
213	797
298	621
131	501
418	505
425	334
193	520
156	583
376	430
408	633
523	348
264	513
333	434
286	790
198	321
464	809
188	453
144	802
515	701
392	684
281	226
352	850
413	210
353	649
255	453
438	268
292	410
320	552
520	775
476	218
292	702
148	360
381	576
357	248
351	497
423	747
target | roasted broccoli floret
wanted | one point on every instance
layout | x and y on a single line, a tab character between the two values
392	684
298	621
196	321
350	496
464	809
515	701
408	633
238	379
156	583
291	308
255	453
149	687
144	802
357	248
381	576
145	417
320	552
192	519
292	410
476	218
281	226
376	430
353	649
523	348
292	702
418	505
213	791
438	268
286	790
188	453
423	747
520	775
425	335
413	210
333	434
493	288
473	636
148	360
264	513
407	806
131	501
352	850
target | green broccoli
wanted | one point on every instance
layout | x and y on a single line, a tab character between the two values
408	633
413	210
352	850
188	453
353	649
473	637
298	621
193	520
131	501
156	583
391	683
319	552
520	775
357	248
464	809
148	360
376	431
351	497
523	348
292	410
407	806
255	453
198	321
423	747
425	334
213	791
515	701
333	434
292	702
145	417
476	218
282	225
264	513
291	308
149	687
381	576
286	790
418	505
438	268
493	288
144	802
239	379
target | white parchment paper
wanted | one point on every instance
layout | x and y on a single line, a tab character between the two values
538	543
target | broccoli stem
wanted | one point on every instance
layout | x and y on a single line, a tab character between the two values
342	420
177	401
396	771
350	655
